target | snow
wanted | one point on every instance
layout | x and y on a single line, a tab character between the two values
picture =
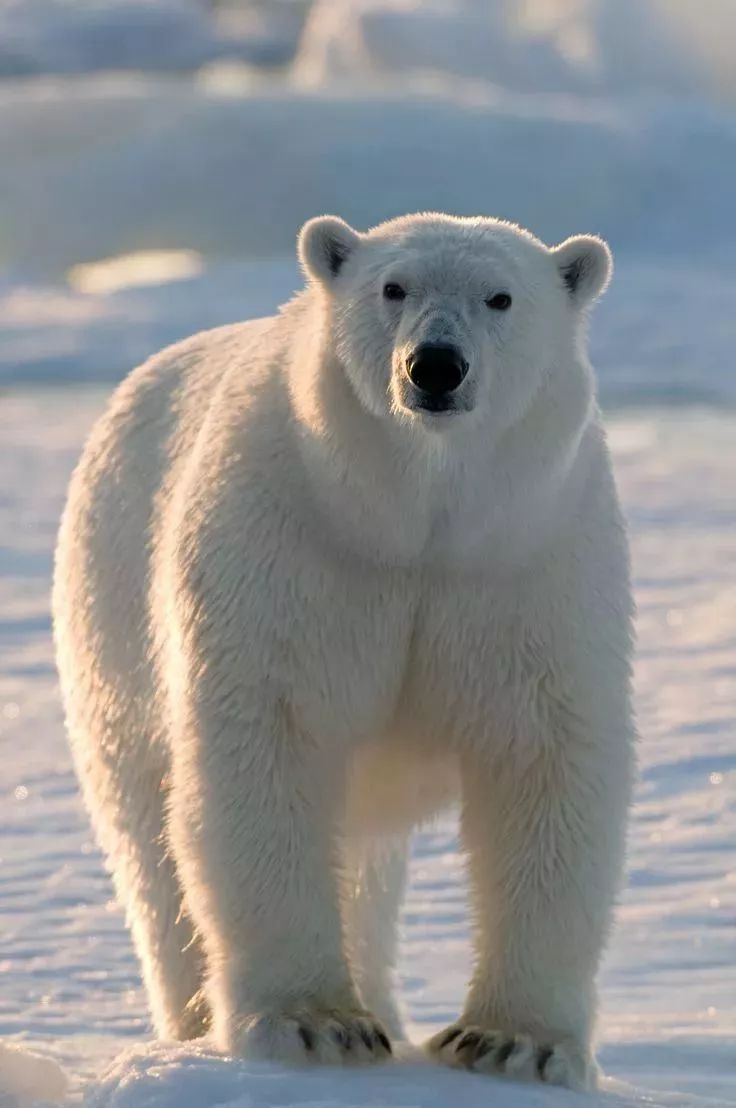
77	36
583	47
158	157
578	46
96	167
176	1077
100	169
28	1079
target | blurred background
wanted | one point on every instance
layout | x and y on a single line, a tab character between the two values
158	157
156	160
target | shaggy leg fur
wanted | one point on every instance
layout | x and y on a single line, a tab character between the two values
376	880
544	842
254	840
127	806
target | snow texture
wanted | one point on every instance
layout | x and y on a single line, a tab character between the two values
180	1077
28	1079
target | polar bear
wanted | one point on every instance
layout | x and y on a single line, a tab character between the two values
317	575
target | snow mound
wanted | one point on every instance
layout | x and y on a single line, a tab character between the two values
582	46
163	1076
95	168
79	36
28	1079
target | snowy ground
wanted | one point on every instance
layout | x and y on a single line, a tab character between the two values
70	985
157	159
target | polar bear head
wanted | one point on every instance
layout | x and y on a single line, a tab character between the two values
449	322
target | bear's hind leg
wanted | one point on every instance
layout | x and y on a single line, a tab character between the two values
375	882
167	946
126	798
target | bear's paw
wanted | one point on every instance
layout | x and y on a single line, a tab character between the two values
521	1056
306	1036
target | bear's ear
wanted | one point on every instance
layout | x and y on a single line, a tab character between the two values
585	264
324	244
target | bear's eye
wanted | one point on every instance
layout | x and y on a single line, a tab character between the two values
501	302
393	291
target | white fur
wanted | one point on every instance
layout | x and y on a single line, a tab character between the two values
293	612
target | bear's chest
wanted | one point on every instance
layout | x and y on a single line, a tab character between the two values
478	657
349	640
397	652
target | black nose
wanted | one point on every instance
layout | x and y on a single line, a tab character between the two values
436	368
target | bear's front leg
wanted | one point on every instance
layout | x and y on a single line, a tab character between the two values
252	823
544	830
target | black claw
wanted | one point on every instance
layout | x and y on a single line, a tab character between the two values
367	1038
448	1037
505	1052
342	1037
469	1039
307	1037
487	1043
543	1056
383	1040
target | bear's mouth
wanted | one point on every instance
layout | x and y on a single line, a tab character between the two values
434	405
